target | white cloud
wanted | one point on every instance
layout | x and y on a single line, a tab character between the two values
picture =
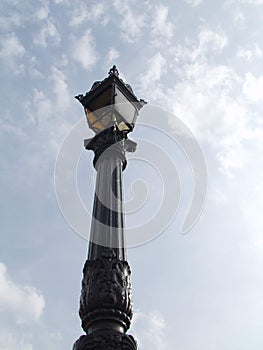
239	17
155	332
232	157
208	98
60	89
148	330
46	121
97	13
32	68
48	33
11	51
11	341
11	46
217	195
83	13
25	303
194	3
211	40
9	127
112	55
161	26
156	66
214	117
78	16
11	20
45	106
250	53
40	107
131	23
84	51
43	12
253	88
209	76
45	111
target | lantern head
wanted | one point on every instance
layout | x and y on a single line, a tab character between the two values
111	102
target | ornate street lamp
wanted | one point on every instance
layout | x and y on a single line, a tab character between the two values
111	109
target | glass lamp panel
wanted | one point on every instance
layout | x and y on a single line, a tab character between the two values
102	115
124	107
90	116
107	120
98	127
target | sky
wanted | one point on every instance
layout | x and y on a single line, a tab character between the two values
197	63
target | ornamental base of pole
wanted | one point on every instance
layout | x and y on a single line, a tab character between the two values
105	341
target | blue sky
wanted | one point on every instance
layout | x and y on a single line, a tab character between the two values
201	61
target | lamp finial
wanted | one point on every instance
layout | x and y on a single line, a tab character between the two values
114	71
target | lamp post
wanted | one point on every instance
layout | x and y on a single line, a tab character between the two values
105	310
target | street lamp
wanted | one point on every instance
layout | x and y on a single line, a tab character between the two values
111	109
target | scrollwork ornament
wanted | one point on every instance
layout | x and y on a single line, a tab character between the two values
106	290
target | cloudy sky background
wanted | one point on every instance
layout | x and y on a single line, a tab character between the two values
200	60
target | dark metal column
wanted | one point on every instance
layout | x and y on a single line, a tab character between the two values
105	304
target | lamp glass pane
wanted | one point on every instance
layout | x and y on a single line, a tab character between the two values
98	126
100	111
107	120
100	119
92	118
124	107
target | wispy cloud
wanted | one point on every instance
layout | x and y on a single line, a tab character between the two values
25	303
156	67
60	89
149	330
11	341
48	32
162	27
43	108
43	12
112	55
131	23
210	40
194	3
206	96
253	87
43	120
239	17
84	50
10	21
250	53
87	12
12	51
